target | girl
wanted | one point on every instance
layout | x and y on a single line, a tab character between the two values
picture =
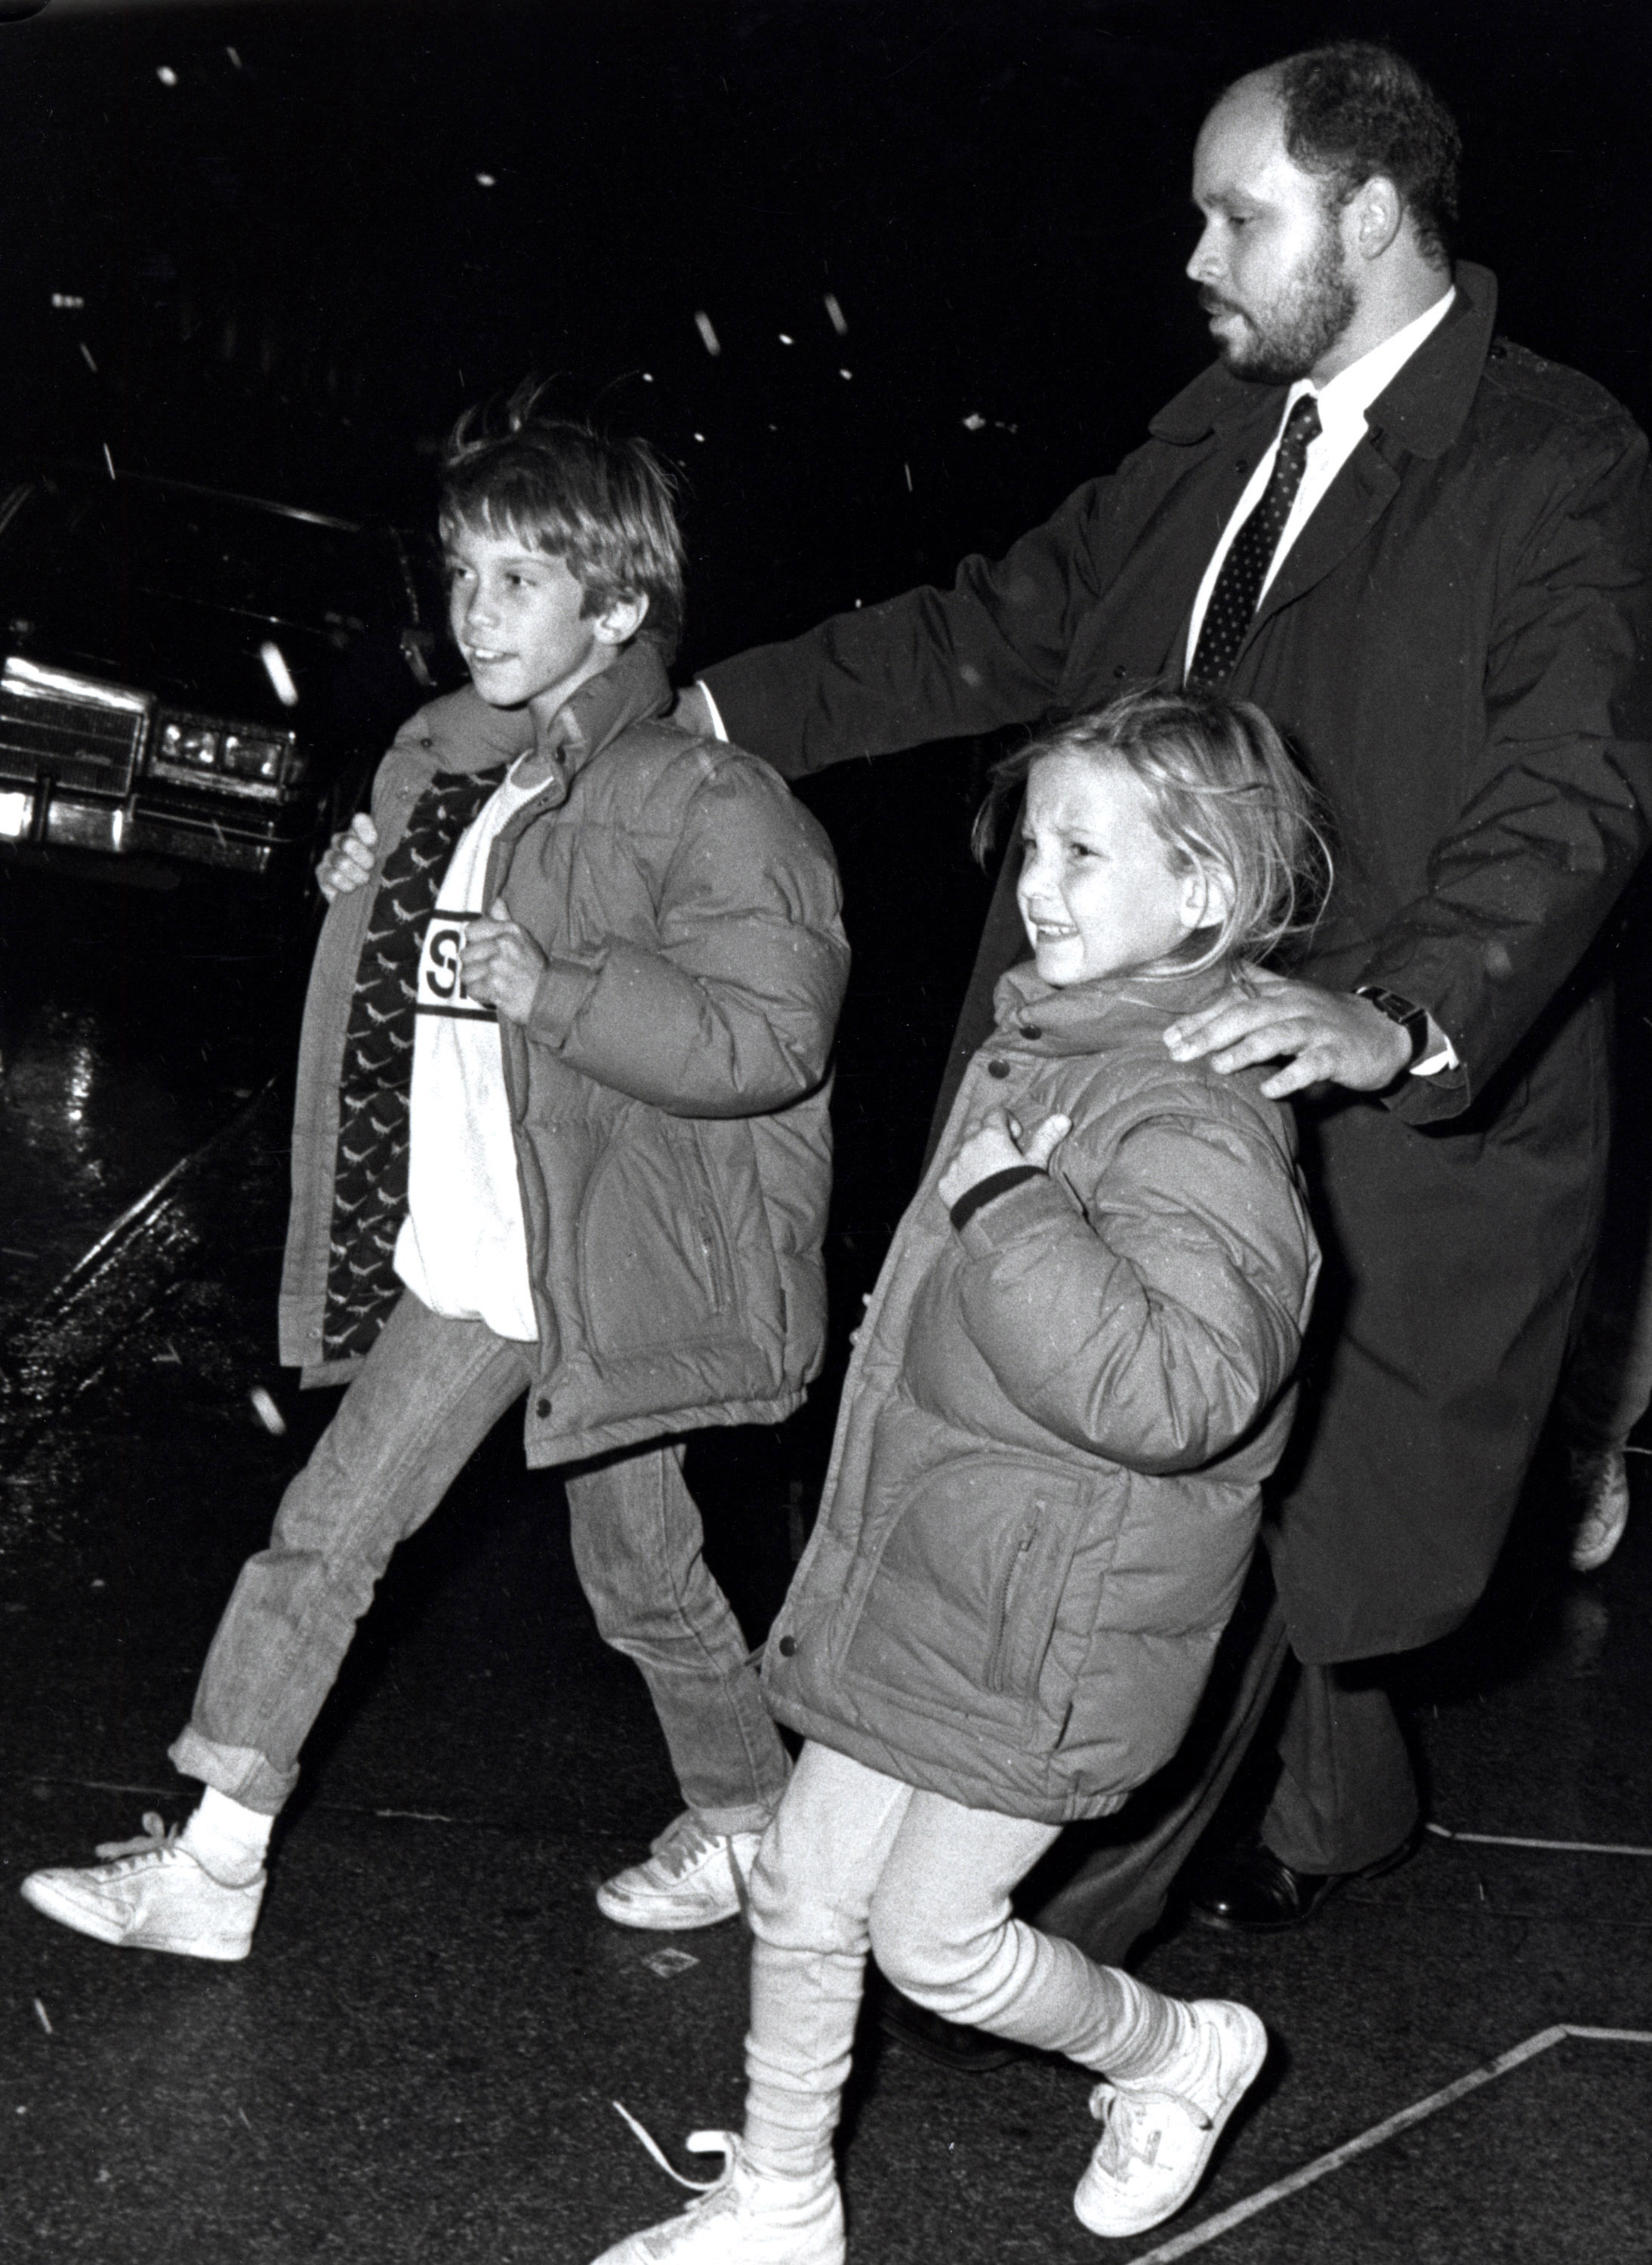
1069	1384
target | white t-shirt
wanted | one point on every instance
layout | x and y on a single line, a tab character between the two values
462	1248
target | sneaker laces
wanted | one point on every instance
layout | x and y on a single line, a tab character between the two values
698	2143
683	1845
686	1843
154	1840
1125	2117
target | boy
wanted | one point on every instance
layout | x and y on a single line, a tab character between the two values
561	1126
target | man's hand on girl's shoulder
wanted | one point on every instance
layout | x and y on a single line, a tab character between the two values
1322	1036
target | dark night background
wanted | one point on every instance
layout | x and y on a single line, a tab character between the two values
327	228
293	277
276	247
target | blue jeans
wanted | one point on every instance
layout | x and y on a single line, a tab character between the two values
428	1394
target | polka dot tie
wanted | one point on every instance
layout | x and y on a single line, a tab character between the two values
1245	569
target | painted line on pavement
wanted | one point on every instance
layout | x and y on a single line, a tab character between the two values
1560	1847
1184	2245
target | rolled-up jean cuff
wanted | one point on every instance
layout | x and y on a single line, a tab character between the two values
240	1772
752	1819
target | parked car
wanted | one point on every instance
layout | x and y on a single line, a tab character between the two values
193	681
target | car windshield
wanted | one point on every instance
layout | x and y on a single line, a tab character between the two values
184	545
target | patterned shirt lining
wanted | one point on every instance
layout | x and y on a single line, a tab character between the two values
375	1084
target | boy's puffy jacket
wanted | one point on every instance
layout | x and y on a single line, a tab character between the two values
1044	1488
669	1091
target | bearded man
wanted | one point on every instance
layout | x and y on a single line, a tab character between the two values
1422	551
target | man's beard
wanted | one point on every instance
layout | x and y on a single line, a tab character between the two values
1288	339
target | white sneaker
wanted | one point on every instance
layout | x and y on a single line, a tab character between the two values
153	1895
747	2218
1600	1492
692	1878
1159	2130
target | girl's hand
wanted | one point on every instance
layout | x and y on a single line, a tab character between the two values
501	965
348	860
998	1144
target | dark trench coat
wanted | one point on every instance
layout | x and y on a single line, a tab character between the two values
1457	647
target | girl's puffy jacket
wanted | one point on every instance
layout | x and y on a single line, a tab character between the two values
1046	1484
669	1091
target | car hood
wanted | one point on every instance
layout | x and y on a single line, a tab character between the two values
200	658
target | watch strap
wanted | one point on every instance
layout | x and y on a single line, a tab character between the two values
1411	1018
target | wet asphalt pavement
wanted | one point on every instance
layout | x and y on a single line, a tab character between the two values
419	2059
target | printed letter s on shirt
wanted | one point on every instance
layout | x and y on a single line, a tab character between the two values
440	987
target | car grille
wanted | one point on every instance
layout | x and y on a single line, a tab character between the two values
82	734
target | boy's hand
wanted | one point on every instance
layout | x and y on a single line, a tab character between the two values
348	860
501	965
997	1144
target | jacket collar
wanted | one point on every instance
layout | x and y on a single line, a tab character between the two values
635	689
1075	1016
1422	409
470	735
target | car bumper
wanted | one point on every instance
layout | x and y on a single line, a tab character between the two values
44	817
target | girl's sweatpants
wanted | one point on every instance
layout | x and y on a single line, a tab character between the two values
857	1863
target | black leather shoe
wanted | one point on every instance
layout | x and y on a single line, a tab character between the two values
1253	1891
966	2051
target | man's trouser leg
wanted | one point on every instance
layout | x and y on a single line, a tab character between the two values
638	1549
428	1394
1119	1892
1347	1795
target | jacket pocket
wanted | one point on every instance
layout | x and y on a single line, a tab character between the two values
962	1603
654	1260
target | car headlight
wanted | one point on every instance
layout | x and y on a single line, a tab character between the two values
243	758
196	747
254	756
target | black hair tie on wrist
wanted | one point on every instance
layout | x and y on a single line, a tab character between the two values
995	1183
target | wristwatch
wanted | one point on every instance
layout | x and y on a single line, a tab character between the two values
1413	1020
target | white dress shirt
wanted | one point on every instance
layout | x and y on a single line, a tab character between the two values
1343	403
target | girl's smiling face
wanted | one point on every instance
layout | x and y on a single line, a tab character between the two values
1098	893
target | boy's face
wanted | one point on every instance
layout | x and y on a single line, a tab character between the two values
1097	893
516	615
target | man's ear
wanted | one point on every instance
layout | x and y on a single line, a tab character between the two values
620	619
1373	220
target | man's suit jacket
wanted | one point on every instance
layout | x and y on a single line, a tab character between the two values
1457	647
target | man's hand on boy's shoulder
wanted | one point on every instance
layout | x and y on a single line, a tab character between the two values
501	963
348	860
692	711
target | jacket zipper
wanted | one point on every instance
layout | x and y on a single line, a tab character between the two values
997	1662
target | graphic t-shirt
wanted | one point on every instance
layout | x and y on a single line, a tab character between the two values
462	1248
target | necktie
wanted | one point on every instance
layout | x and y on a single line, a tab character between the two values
1250	554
